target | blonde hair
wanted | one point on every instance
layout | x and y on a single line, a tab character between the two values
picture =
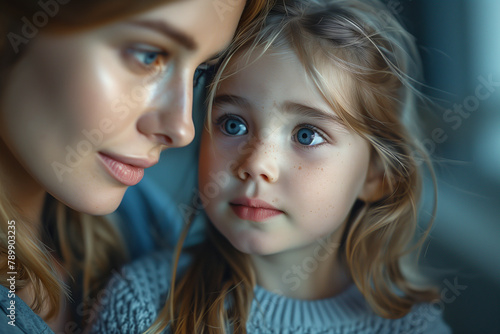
378	63
90	247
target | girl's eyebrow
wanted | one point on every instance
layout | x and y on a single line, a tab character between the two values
311	112
287	107
233	100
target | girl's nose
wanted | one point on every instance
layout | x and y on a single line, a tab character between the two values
259	164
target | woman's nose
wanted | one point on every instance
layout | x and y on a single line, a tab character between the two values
259	164
169	119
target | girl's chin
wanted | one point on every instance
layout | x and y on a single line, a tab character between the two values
251	247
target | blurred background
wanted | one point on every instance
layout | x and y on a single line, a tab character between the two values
459	42
460	47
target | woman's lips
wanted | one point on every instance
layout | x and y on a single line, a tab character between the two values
123	172
253	209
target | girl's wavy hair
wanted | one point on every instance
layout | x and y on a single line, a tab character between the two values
90	247
375	65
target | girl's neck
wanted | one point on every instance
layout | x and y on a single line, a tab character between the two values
309	273
20	188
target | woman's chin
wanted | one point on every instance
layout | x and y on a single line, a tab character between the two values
93	203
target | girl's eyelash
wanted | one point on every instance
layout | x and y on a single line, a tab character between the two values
312	128
224	117
219	120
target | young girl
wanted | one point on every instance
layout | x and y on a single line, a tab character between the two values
308	174
91	92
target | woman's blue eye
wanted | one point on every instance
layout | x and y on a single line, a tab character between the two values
150	57
147	57
234	127
309	137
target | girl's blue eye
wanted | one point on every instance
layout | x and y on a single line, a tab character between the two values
309	137
234	127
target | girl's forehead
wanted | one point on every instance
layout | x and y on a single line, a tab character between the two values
249	56
280	74
321	71
327	62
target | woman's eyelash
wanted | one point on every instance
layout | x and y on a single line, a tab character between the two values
147	57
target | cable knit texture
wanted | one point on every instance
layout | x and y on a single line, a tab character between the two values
26	321
135	297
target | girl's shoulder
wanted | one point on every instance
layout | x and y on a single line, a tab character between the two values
347	312
133	297
427	318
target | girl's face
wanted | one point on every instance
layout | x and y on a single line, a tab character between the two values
281	170
84	113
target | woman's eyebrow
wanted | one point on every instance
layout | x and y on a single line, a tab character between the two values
232	100
169	31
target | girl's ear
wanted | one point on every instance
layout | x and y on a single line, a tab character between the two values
376	186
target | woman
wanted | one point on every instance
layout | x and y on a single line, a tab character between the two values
91	93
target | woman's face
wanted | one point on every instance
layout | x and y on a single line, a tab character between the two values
84	113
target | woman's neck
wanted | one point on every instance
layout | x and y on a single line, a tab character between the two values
20	188
28	197
310	273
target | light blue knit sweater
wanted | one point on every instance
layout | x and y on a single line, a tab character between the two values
134	298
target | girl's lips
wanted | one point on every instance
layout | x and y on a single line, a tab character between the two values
125	173
254	209
254	214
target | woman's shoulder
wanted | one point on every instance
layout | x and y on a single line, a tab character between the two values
135	295
17	317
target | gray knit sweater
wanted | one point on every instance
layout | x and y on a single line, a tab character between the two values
134	298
